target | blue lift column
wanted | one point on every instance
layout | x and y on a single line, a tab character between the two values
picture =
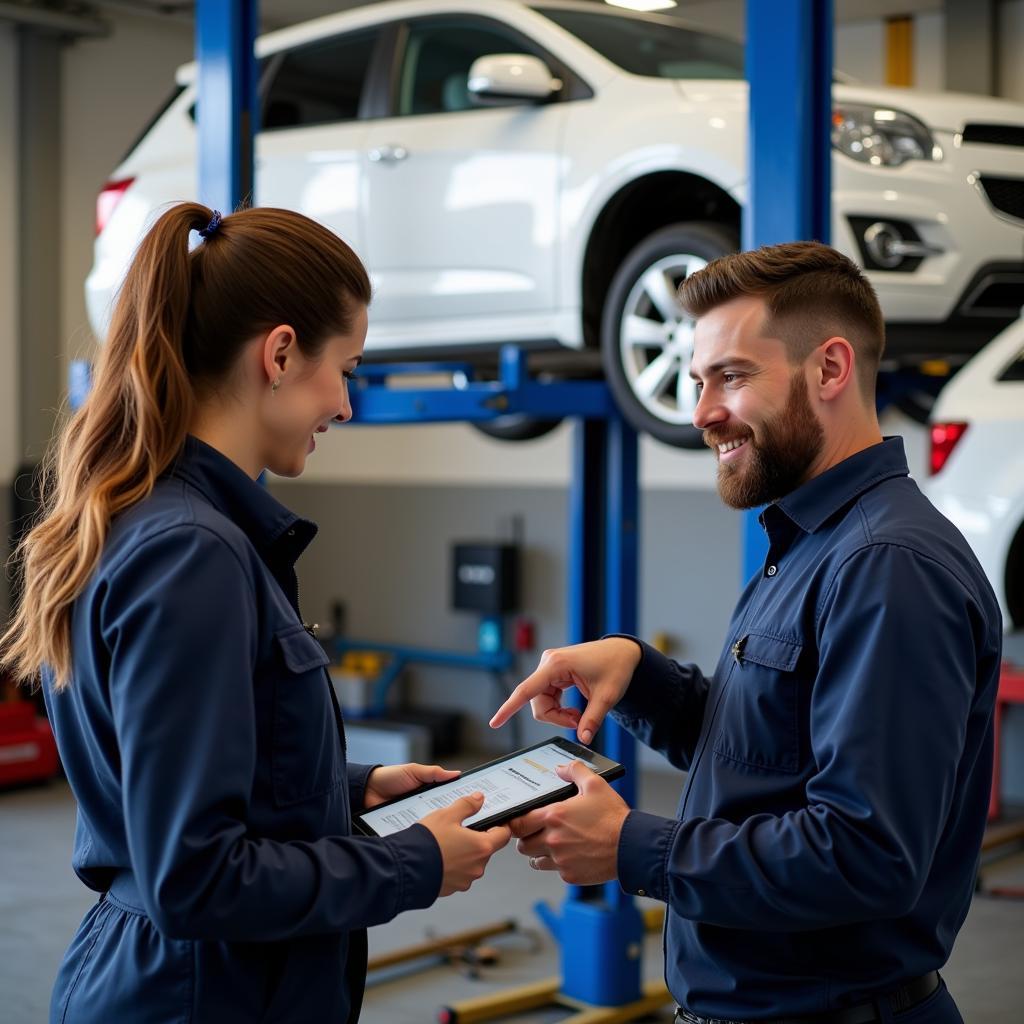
227	110
789	68
600	928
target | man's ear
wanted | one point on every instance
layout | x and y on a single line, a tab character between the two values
834	368
280	349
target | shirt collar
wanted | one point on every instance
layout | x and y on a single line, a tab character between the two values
812	503
270	526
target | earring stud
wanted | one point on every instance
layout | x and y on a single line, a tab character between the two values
275	385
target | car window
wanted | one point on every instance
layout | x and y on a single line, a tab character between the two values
320	83
655	49
1015	370
164	107
438	56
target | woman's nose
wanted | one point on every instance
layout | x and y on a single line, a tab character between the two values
346	412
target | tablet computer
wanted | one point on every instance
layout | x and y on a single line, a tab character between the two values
512	785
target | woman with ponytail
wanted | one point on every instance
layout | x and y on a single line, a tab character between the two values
192	709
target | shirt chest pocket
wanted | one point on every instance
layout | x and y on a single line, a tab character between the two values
759	722
306	754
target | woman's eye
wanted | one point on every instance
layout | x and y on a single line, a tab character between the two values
349	374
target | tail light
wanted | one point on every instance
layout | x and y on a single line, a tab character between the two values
945	437
106	202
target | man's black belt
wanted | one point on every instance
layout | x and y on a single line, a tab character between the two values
899	1000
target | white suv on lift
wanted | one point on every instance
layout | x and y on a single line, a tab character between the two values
545	172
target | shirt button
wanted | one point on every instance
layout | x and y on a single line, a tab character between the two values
772	570
291	533
641	892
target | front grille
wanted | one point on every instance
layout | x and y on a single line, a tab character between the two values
1005	194
995	134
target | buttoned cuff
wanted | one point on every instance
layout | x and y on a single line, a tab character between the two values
420	867
358	774
644	846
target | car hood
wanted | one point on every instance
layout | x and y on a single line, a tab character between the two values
942	111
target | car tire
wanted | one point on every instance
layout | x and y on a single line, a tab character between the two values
516	427
643	327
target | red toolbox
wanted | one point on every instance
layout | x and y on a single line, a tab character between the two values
27	748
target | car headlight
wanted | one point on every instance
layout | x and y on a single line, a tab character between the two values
881	136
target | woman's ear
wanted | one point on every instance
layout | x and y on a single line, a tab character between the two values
835	368
280	349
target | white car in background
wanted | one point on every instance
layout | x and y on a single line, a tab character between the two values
977	463
547	172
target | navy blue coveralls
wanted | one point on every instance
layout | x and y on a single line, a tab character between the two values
839	759
205	748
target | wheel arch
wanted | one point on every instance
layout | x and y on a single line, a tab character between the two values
637	209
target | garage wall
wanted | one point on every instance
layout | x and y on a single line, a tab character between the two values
457	453
8	277
8	255
384	551
111	88
859	50
1010	34
930	50
860	39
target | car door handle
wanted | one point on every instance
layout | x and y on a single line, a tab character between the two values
388	154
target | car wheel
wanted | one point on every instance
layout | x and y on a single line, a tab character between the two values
516	427
647	339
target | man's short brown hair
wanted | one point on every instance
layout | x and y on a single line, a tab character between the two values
812	293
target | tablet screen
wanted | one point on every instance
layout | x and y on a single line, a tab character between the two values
506	784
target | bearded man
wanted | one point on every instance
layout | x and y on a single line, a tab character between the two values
839	757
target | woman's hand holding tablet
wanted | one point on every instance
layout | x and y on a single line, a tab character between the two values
511	786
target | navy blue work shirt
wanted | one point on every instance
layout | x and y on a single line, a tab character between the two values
839	758
205	748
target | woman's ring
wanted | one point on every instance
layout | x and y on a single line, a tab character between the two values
534	861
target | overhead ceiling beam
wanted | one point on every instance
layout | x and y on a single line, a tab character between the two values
47	19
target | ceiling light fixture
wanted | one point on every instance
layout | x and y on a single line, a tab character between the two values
643	5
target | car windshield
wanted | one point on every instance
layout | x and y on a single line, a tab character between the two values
650	47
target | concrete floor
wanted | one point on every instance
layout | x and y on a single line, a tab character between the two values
41	903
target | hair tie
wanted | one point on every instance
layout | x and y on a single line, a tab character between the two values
211	228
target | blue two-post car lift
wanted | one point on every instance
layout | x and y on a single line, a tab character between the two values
789	62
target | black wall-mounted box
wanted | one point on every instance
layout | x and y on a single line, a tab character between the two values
485	578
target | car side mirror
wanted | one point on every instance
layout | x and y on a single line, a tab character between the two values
508	77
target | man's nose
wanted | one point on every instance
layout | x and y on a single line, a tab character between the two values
708	411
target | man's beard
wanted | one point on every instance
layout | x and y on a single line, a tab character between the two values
778	459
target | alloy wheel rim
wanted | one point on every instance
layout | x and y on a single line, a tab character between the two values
656	340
